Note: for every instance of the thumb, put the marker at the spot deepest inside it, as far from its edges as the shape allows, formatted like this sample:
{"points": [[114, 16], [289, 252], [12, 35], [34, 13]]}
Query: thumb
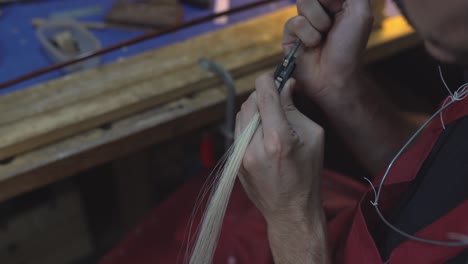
{"points": [[286, 95], [352, 28], [358, 12]]}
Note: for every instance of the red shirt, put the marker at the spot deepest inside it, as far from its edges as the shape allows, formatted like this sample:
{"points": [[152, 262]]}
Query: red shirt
{"points": [[161, 237], [349, 230]]}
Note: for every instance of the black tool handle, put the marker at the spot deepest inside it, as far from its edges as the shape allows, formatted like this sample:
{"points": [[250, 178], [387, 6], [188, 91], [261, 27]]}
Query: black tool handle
{"points": [[283, 73]]}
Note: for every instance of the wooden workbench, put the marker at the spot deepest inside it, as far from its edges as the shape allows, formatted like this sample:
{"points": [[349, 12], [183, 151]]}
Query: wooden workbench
{"points": [[132, 122]]}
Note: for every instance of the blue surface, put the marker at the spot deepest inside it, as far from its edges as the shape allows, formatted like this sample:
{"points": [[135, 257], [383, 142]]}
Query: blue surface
{"points": [[21, 52]]}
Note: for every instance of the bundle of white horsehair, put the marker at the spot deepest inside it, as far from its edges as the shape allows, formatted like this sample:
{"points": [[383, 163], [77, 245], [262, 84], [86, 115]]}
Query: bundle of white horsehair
{"points": [[208, 235], [213, 217]]}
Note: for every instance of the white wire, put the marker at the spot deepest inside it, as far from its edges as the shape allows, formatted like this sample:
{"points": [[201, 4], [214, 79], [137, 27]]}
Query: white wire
{"points": [[443, 81], [458, 95]]}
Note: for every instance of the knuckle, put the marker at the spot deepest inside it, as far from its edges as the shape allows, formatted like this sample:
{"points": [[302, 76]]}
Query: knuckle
{"points": [[243, 106], [289, 107], [298, 23], [288, 25], [306, 32], [318, 132], [262, 80], [273, 150], [326, 24], [250, 160], [275, 147], [265, 98], [251, 98], [314, 38]]}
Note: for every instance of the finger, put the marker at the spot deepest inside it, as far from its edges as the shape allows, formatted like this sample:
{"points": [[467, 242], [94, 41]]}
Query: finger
{"points": [[313, 11], [254, 155], [359, 9], [254, 152], [274, 121], [290, 109], [354, 25], [237, 127], [303, 126], [286, 95], [256, 143], [248, 110], [299, 27], [332, 6]]}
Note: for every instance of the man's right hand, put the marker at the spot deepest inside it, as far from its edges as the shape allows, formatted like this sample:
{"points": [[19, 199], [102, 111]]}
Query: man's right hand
{"points": [[334, 37]]}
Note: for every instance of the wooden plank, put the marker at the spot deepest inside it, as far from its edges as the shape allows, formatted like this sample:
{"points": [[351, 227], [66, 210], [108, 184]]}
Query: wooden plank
{"points": [[61, 92], [86, 100], [51, 163], [62, 159], [78, 102], [146, 14]]}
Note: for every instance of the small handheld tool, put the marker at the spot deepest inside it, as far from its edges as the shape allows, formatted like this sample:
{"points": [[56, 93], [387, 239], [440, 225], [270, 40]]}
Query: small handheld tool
{"points": [[285, 69]]}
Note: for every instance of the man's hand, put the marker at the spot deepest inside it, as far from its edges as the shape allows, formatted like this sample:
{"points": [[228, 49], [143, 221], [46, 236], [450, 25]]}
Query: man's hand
{"points": [[334, 36], [283, 162], [281, 173]]}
